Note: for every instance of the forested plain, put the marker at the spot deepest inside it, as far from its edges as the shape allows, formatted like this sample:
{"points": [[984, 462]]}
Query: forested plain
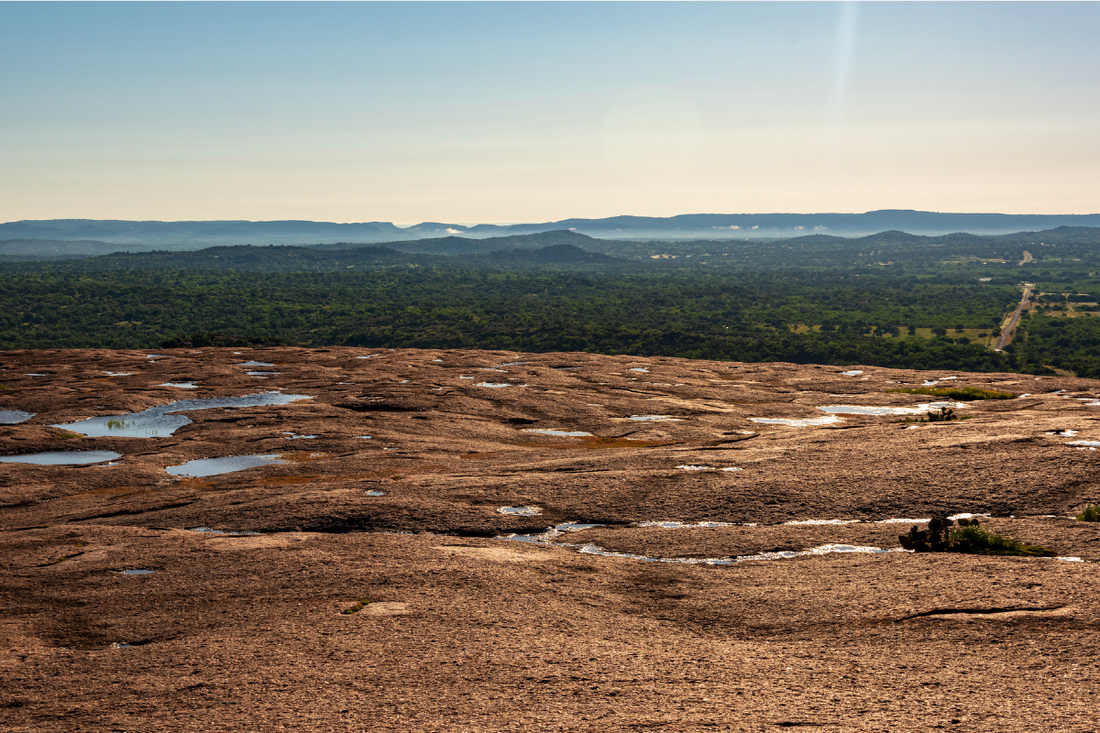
{"points": [[891, 299]]}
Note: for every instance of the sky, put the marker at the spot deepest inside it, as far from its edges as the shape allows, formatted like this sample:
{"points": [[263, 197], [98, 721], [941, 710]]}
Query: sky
{"points": [[506, 112]]}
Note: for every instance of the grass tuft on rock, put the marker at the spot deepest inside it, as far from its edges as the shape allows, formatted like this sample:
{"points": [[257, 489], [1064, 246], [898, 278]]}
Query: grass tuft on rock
{"points": [[966, 394], [357, 607], [970, 538], [1091, 513]]}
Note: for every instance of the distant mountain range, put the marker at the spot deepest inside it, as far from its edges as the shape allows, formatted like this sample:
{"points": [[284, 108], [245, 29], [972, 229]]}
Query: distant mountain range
{"points": [[185, 235]]}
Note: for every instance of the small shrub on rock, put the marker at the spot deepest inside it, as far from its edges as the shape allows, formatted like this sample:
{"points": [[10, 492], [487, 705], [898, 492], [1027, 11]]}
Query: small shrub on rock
{"points": [[1091, 514], [970, 538]]}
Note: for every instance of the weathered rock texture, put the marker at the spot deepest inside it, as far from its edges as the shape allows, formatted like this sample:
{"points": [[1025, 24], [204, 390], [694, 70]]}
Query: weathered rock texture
{"points": [[468, 632]]}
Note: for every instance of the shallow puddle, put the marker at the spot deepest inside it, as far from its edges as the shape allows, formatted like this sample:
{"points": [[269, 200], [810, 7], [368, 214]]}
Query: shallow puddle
{"points": [[373, 492], [63, 458], [815, 522], [498, 384], [138, 572], [520, 511], [294, 436], [688, 525], [160, 422], [208, 530], [119, 374], [562, 433], [655, 418], [364, 437], [217, 466], [805, 422], [853, 373], [1085, 443], [255, 364], [639, 369], [785, 555], [14, 417], [179, 385], [261, 374]]}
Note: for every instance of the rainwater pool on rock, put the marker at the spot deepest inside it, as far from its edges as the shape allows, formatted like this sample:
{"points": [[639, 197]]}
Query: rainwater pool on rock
{"points": [[138, 572], [374, 492], [497, 385], [160, 422], [520, 511], [805, 422], [63, 458], [562, 433], [179, 385], [14, 417], [217, 466], [655, 418], [209, 530], [255, 364], [261, 374]]}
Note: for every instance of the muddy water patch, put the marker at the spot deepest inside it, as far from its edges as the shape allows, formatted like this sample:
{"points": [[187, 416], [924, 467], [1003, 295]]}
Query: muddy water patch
{"points": [[14, 417], [160, 422], [63, 458], [217, 466]]}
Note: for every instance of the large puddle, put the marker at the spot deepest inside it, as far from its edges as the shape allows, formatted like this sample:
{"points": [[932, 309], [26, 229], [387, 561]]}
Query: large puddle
{"points": [[14, 417], [160, 422], [803, 422], [881, 410], [63, 458], [216, 466]]}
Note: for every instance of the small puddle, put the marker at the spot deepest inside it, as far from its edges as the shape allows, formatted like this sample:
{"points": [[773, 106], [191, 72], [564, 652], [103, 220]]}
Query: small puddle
{"points": [[295, 436], [14, 417], [815, 522], [216, 466], [882, 410], [373, 492], [364, 437], [1062, 433], [63, 458], [639, 369], [119, 374], [138, 572], [368, 356], [159, 422], [179, 385], [261, 374], [36, 374], [520, 511], [706, 468], [562, 433], [655, 418], [209, 530], [510, 363], [497, 385], [1085, 443], [255, 364], [566, 368], [688, 525], [804, 422], [853, 373]]}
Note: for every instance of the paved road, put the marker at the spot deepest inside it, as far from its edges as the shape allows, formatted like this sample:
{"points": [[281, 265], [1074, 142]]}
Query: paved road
{"points": [[1010, 329]]}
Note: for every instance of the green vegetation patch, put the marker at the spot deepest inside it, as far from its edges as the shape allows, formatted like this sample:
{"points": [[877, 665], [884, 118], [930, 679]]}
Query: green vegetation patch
{"points": [[970, 538], [965, 394], [357, 607], [1091, 513]]}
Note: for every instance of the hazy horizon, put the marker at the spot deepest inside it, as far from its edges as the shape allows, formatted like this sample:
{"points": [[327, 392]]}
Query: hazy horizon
{"points": [[502, 113]]}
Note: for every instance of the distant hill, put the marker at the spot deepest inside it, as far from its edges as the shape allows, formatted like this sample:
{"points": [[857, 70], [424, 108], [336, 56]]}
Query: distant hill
{"points": [[52, 249], [184, 235], [453, 245]]}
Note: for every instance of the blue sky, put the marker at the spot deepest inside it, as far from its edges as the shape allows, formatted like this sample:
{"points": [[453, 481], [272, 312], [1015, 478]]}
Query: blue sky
{"points": [[507, 112]]}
